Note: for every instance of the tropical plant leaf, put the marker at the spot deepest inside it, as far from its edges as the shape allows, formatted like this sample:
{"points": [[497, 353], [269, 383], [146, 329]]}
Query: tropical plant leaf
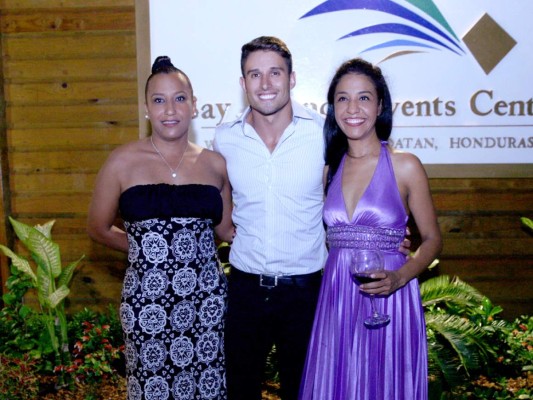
{"points": [[44, 286], [46, 228], [20, 263], [45, 251], [67, 272], [527, 222], [57, 296], [433, 264], [489, 310], [21, 229], [442, 289], [442, 364], [460, 334], [500, 325]]}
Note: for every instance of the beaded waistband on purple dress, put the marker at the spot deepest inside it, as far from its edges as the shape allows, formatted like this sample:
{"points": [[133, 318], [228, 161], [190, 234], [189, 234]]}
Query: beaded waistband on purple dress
{"points": [[364, 237]]}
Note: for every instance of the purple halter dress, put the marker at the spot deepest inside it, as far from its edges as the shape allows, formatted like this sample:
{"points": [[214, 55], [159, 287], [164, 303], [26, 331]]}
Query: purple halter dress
{"points": [[346, 360]]}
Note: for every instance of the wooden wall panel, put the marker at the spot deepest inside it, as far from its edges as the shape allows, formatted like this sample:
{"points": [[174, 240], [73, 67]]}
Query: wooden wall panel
{"points": [[66, 161], [70, 70], [485, 243], [103, 137], [92, 19], [78, 92], [4, 182], [101, 70], [50, 183], [62, 45], [56, 5], [482, 201], [506, 280], [70, 83], [69, 116], [54, 204]]}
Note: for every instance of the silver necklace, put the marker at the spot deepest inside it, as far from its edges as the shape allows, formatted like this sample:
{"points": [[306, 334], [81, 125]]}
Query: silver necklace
{"points": [[356, 157], [172, 170]]}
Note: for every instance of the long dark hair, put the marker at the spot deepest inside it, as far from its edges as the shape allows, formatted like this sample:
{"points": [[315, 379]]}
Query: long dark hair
{"points": [[163, 65], [336, 141], [266, 43]]}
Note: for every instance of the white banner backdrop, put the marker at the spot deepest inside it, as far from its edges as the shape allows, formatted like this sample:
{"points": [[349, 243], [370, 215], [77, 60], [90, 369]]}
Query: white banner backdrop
{"points": [[459, 71]]}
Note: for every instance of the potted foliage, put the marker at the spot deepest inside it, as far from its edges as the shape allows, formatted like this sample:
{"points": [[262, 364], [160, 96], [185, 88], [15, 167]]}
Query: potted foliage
{"points": [[50, 280]]}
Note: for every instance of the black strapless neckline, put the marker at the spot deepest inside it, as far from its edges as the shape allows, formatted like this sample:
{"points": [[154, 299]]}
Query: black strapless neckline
{"points": [[162, 200]]}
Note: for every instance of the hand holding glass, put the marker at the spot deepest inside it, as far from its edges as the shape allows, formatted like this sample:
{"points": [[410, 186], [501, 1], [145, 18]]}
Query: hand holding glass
{"points": [[363, 264]]}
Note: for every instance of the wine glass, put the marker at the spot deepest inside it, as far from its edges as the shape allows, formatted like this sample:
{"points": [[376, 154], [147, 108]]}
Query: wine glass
{"points": [[363, 264]]}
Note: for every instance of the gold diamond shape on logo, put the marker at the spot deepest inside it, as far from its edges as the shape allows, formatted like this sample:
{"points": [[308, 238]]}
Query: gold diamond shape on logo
{"points": [[488, 43]]}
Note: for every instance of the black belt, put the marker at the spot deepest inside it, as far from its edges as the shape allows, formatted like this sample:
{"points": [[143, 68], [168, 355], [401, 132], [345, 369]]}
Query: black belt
{"points": [[271, 281]]}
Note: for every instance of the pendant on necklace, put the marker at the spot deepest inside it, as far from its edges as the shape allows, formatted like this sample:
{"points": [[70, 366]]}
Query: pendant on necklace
{"points": [[172, 170]]}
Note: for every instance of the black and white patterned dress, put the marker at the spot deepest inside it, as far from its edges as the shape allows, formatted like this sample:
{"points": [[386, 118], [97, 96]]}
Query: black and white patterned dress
{"points": [[174, 294]]}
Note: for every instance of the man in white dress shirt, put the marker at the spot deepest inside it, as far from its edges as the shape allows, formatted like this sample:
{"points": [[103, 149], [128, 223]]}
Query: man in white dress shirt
{"points": [[275, 161]]}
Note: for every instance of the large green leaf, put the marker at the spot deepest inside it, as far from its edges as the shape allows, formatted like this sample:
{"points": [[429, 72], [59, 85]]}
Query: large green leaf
{"points": [[21, 230], [442, 289], [442, 364], [67, 272], [460, 334], [58, 296], [44, 286], [20, 263], [46, 228], [45, 251], [527, 222]]}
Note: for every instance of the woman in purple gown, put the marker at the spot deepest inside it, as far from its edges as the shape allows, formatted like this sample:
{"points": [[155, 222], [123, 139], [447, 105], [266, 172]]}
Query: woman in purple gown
{"points": [[371, 189]]}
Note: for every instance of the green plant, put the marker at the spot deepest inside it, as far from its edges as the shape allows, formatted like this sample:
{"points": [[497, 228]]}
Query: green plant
{"points": [[50, 280], [18, 378], [20, 325], [527, 223], [519, 337], [109, 317], [458, 344], [97, 349], [467, 343], [94, 355]]}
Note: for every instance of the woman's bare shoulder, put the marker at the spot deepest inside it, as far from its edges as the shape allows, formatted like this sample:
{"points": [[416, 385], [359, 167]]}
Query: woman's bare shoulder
{"points": [[406, 164], [124, 155], [404, 158]]}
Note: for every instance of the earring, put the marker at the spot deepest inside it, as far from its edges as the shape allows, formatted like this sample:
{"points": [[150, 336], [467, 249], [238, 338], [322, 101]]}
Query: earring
{"points": [[146, 116], [195, 114]]}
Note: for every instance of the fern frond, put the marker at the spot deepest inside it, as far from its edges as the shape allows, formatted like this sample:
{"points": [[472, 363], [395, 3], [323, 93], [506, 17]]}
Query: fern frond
{"points": [[444, 365], [442, 289], [460, 334]]}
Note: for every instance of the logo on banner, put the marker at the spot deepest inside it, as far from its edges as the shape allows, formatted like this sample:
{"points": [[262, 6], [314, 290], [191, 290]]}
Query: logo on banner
{"points": [[422, 30]]}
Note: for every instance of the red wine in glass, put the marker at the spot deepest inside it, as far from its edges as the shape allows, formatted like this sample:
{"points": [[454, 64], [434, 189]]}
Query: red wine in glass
{"points": [[363, 263], [363, 278]]}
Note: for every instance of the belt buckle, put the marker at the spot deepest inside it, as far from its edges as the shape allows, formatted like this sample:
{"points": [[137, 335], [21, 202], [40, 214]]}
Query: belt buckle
{"points": [[268, 281]]}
